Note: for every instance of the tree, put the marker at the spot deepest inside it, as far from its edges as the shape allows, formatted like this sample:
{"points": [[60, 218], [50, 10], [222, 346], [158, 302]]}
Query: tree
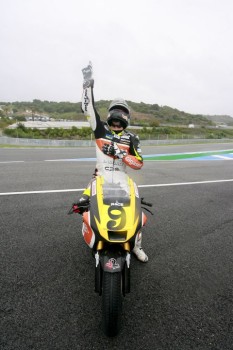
{"points": [[6, 110]]}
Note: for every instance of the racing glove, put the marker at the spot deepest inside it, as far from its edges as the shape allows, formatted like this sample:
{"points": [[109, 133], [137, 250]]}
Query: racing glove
{"points": [[113, 150], [87, 76], [82, 205]]}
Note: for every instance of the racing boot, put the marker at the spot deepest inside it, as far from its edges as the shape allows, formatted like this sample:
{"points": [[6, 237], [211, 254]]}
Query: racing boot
{"points": [[137, 250]]}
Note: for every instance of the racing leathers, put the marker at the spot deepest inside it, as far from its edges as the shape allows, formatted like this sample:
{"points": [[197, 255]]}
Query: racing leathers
{"points": [[126, 141], [127, 152]]}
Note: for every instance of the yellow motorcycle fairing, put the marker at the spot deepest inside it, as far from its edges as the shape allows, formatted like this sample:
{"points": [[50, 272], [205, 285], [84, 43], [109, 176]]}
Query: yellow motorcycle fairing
{"points": [[116, 214]]}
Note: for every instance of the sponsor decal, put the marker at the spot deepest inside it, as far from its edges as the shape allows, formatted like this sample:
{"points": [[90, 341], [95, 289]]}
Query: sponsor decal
{"points": [[85, 229], [93, 188], [125, 136], [136, 190], [117, 204], [109, 161], [132, 162], [116, 137], [86, 100], [125, 142], [88, 235], [112, 264], [111, 168]]}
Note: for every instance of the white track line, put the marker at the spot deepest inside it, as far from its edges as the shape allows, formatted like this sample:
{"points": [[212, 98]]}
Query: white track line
{"points": [[42, 192], [222, 157], [141, 186], [187, 183], [12, 161]]}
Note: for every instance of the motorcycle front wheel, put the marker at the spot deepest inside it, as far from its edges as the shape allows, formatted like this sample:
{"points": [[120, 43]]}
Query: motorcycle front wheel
{"points": [[111, 303]]}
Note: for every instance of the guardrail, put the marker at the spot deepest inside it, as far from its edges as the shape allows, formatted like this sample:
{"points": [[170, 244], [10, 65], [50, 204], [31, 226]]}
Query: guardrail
{"points": [[4, 140]]}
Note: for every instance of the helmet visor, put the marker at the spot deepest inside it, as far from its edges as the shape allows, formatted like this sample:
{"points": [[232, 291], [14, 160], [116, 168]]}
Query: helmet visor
{"points": [[116, 123], [118, 117]]}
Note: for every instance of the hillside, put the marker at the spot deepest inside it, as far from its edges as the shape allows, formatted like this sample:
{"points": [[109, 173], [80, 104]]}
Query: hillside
{"points": [[142, 114], [224, 119]]}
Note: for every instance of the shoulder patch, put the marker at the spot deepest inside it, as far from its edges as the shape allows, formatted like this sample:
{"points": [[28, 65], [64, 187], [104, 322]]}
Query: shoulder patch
{"points": [[130, 133]]}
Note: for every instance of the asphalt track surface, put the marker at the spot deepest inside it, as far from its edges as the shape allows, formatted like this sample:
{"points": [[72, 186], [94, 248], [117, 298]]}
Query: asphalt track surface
{"points": [[181, 299]]}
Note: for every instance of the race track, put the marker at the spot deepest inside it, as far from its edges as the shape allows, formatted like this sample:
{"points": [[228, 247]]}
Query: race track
{"points": [[181, 299]]}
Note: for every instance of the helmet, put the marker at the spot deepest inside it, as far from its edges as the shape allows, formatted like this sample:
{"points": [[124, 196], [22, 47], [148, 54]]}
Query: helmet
{"points": [[119, 110], [119, 103]]}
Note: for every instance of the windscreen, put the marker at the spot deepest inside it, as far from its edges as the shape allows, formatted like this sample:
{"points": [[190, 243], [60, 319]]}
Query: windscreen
{"points": [[116, 189]]}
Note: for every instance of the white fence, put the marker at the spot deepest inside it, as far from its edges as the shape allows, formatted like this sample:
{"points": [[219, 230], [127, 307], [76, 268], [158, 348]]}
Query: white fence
{"points": [[4, 140]]}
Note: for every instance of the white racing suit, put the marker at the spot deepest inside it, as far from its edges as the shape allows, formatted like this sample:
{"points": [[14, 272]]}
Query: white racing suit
{"points": [[126, 141]]}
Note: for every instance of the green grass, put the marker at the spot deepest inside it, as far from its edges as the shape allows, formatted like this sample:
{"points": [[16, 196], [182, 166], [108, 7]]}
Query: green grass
{"points": [[187, 155]]}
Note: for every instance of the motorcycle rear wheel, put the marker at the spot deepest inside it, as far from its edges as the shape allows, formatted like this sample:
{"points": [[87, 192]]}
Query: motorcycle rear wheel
{"points": [[111, 303]]}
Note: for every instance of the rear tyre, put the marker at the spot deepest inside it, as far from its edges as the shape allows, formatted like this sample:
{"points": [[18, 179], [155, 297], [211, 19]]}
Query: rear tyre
{"points": [[111, 303]]}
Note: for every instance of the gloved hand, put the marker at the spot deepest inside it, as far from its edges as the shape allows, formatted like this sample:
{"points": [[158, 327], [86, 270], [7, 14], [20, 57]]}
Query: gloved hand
{"points": [[87, 76], [113, 150], [77, 209], [108, 149], [82, 205]]}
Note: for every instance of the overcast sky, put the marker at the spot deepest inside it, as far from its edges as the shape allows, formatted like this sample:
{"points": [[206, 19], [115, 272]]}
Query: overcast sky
{"points": [[177, 53]]}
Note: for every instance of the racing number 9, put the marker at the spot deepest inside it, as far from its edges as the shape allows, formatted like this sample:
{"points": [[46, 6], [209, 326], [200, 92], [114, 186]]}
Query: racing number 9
{"points": [[115, 213]]}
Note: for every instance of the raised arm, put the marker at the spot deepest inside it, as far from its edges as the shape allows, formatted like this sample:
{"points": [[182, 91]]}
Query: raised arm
{"points": [[88, 103]]}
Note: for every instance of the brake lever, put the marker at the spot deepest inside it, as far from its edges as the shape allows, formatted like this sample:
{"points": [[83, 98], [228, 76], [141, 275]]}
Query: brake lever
{"points": [[70, 211]]}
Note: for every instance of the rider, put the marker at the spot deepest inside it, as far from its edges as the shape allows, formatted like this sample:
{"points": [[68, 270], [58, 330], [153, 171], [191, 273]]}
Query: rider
{"points": [[112, 142]]}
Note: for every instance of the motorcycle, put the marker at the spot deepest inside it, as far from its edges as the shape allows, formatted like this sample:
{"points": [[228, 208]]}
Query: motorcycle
{"points": [[111, 222]]}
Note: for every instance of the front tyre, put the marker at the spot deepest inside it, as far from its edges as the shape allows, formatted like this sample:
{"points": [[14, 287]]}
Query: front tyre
{"points": [[111, 303]]}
